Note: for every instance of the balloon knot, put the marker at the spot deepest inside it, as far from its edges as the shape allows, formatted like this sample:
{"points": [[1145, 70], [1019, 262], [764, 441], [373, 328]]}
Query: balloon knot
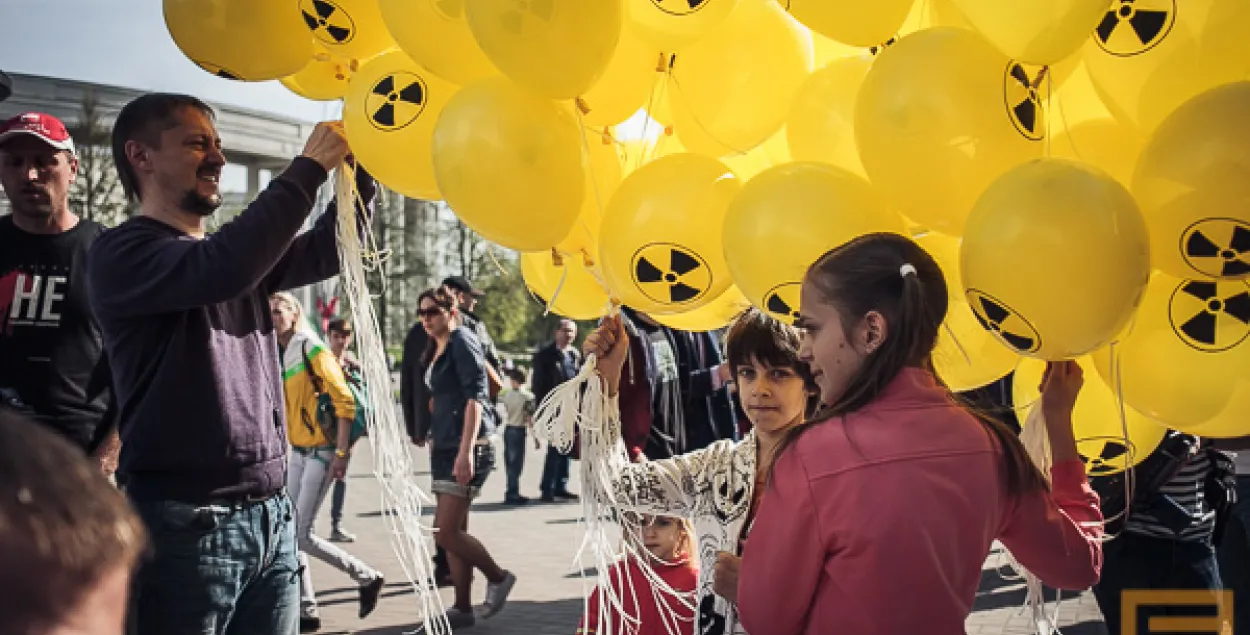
{"points": [[556, 258], [583, 106], [587, 260], [668, 130], [606, 136], [662, 64]]}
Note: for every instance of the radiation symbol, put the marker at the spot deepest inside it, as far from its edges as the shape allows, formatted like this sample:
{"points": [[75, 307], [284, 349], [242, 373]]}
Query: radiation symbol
{"points": [[782, 301], [527, 15], [671, 274], [1217, 247], [1024, 107], [328, 21], [395, 101], [1211, 316], [996, 317], [1104, 455], [217, 70], [1132, 27], [680, 7], [450, 9]]}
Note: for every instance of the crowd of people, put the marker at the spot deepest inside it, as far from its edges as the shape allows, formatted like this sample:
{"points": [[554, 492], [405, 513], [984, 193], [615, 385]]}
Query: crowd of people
{"points": [[170, 426]]}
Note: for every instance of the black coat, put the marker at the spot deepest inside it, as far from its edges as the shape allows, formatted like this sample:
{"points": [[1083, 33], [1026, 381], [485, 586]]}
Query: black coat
{"points": [[414, 395], [549, 370]]}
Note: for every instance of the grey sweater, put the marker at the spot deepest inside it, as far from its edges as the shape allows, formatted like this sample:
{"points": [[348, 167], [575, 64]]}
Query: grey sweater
{"points": [[191, 344]]}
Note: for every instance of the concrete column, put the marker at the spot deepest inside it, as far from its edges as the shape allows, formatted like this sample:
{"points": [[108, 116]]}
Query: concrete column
{"points": [[253, 182]]}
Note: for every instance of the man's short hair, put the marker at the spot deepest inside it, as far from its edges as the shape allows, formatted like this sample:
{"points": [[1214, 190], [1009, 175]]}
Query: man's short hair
{"points": [[339, 325], [143, 120], [63, 527]]}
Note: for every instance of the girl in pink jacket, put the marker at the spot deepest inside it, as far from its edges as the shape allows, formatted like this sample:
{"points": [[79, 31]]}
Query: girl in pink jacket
{"points": [[880, 512]]}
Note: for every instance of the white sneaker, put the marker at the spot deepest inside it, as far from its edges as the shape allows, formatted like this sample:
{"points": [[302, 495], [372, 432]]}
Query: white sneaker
{"points": [[497, 595]]}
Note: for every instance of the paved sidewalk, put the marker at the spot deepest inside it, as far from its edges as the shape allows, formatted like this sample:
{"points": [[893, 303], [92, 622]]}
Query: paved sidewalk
{"points": [[538, 542]]}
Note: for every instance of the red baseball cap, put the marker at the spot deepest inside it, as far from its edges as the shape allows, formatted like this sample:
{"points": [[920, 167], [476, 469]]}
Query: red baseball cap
{"points": [[45, 127]]}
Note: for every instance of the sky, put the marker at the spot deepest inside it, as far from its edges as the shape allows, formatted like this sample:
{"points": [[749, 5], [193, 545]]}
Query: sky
{"points": [[124, 43]]}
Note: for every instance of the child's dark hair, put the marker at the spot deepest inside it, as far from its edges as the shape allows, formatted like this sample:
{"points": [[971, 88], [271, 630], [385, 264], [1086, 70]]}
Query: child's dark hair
{"points": [[756, 337], [339, 325], [443, 300], [517, 374], [895, 277]]}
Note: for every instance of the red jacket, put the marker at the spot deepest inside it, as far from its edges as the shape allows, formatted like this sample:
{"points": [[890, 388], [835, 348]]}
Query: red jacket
{"points": [[640, 601]]}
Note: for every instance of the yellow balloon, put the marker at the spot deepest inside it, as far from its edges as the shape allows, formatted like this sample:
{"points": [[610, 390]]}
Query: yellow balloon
{"points": [[771, 153], [578, 294], [966, 356], [639, 152], [240, 39], [324, 78], [1035, 31], [352, 29], [821, 124], [1192, 184], [626, 85], [939, 117], [558, 48], [672, 24], [1231, 422], [851, 21], [1185, 351], [1096, 420], [717, 314], [1055, 259], [1107, 144], [730, 91], [436, 35], [390, 111], [927, 14], [661, 241], [786, 217], [603, 176], [1147, 57], [509, 162]]}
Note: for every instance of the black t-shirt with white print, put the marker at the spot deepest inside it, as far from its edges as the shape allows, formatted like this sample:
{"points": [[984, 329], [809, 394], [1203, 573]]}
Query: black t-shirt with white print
{"points": [[50, 345]]}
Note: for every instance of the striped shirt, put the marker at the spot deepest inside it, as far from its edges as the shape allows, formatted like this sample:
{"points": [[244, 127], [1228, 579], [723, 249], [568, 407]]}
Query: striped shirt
{"points": [[1188, 490]]}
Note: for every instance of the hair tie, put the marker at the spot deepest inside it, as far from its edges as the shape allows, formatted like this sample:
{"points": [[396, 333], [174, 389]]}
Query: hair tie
{"points": [[907, 268]]}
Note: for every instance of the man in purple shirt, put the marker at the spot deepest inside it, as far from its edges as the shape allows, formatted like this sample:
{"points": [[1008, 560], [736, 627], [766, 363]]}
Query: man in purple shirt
{"points": [[186, 325]]}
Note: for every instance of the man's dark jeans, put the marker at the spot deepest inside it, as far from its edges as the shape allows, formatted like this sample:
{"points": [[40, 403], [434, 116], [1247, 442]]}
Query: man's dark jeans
{"points": [[218, 569], [514, 458], [555, 473], [1234, 556], [1133, 561]]}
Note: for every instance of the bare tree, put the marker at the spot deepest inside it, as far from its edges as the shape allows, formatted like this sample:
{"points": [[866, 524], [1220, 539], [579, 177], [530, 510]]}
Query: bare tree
{"points": [[96, 194]]}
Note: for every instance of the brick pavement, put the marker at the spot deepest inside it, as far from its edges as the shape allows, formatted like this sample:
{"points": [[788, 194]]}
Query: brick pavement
{"points": [[538, 542]]}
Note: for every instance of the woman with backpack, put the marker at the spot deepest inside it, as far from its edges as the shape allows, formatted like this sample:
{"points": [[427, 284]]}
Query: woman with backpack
{"points": [[320, 411]]}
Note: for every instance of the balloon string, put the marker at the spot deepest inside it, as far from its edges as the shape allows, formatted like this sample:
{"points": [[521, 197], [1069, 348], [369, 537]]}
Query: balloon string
{"points": [[594, 186]]}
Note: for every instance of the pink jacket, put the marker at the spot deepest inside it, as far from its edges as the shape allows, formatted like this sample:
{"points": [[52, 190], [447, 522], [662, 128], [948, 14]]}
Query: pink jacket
{"points": [[879, 523]]}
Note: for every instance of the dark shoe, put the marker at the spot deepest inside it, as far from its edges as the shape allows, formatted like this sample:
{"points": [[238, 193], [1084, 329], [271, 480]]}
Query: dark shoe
{"points": [[369, 594], [309, 623], [515, 500], [565, 495], [548, 498]]}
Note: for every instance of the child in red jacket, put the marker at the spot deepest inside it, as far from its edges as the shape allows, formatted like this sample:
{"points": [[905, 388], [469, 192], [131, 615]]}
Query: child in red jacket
{"points": [[647, 608]]}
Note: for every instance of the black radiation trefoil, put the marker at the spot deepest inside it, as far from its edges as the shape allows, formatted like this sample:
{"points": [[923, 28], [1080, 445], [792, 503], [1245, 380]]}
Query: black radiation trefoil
{"points": [[681, 7], [997, 318], [1024, 106], [328, 21], [1132, 27], [782, 301], [671, 274], [396, 101], [1211, 316], [218, 71], [1217, 247], [525, 15], [1103, 464]]}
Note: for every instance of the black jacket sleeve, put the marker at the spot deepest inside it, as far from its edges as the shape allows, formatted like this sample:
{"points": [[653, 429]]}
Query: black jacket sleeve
{"points": [[414, 395], [470, 362], [543, 380], [314, 255]]}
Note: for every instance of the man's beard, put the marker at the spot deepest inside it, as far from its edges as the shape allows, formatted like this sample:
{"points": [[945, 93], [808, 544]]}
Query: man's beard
{"points": [[197, 203]]}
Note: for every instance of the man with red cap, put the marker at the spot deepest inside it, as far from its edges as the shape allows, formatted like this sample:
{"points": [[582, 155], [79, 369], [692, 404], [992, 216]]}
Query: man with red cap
{"points": [[50, 343]]}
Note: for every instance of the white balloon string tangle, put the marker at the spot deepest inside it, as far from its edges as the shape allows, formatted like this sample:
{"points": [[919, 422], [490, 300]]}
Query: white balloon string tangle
{"points": [[402, 499]]}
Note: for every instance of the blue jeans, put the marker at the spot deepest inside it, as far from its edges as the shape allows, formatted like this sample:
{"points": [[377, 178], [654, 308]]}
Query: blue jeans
{"points": [[1132, 561], [555, 472], [218, 569], [514, 458], [1234, 556]]}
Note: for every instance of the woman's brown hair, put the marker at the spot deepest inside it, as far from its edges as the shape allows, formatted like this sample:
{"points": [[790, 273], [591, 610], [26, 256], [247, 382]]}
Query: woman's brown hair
{"points": [[875, 273], [443, 300]]}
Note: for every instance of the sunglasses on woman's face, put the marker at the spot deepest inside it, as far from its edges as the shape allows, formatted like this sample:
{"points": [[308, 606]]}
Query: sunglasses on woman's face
{"points": [[429, 313]]}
